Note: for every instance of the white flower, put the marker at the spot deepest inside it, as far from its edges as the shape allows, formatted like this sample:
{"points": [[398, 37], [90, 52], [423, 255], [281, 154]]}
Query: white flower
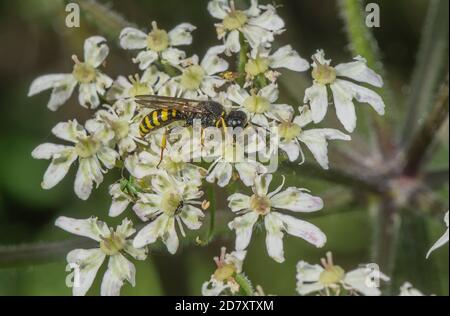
{"points": [[120, 198], [200, 79], [114, 244], [126, 89], [228, 155], [88, 149], [158, 44], [223, 280], [92, 81], [408, 290], [266, 205], [261, 62], [292, 133], [258, 24], [171, 202], [120, 120], [344, 91], [442, 241], [261, 106], [332, 279]]}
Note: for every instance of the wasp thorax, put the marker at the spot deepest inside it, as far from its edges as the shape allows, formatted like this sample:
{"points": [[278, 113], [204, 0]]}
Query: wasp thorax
{"points": [[235, 20], [324, 74], [257, 66], [192, 77], [224, 272], [87, 147], [260, 204], [112, 245], [170, 202], [257, 104], [332, 275], [289, 131], [157, 40], [83, 73]]}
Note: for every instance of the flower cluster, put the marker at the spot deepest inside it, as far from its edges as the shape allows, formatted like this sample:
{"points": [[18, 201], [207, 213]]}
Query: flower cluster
{"points": [[164, 172]]}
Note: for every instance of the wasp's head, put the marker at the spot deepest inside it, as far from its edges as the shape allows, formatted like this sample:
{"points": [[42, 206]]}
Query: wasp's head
{"points": [[236, 119]]}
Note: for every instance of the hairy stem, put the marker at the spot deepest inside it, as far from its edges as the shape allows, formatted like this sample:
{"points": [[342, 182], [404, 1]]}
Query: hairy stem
{"points": [[424, 138], [245, 284], [430, 66]]}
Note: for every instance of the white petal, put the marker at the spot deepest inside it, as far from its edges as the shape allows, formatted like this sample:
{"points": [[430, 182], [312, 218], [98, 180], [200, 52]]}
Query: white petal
{"points": [[362, 281], [95, 51], [247, 172], [145, 59], [237, 94], [212, 63], [257, 36], [108, 157], [238, 202], [232, 42], [296, 200], [131, 38], [136, 253], [283, 112], [345, 109], [61, 93], [254, 9], [88, 96], [214, 287], [70, 131], [119, 270], [222, 172], [304, 118], [173, 56], [102, 83], [262, 183], [89, 172], [46, 82], [58, 168], [364, 95], [270, 92], [317, 97], [308, 278], [316, 141], [118, 206], [408, 290], [125, 229], [274, 237], [304, 230], [292, 149], [91, 228], [170, 237], [150, 233], [269, 20], [181, 34], [441, 242], [243, 225], [191, 217], [358, 71], [47, 151], [85, 264], [288, 58], [218, 8]]}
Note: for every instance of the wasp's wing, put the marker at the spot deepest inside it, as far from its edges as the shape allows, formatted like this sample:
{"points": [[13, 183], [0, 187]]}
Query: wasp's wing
{"points": [[180, 104]]}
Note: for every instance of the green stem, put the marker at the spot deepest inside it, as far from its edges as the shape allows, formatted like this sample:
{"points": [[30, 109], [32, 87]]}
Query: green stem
{"points": [[242, 59], [362, 42], [167, 68], [432, 61], [244, 284], [212, 212]]}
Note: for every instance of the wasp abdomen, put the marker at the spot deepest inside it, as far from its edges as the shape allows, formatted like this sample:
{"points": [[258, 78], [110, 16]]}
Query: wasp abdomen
{"points": [[157, 119]]}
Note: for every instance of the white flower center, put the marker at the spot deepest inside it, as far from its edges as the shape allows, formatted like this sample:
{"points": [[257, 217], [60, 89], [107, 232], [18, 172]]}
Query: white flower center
{"points": [[224, 272], [192, 77], [257, 104], [87, 147], [170, 202], [235, 20], [260, 204], [257, 66], [157, 40], [332, 275], [139, 88], [289, 131], [112, 245]]}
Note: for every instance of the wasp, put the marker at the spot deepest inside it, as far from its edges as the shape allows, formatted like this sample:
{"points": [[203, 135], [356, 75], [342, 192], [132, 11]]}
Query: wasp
{"points": [[168, 110]]}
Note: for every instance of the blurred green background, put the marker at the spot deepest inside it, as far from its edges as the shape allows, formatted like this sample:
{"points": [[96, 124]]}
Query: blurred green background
{"points": [[35, 41]]}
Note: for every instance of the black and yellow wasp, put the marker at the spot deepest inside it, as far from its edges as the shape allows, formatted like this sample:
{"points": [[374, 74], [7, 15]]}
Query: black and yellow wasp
{"points": [[168, 110]]}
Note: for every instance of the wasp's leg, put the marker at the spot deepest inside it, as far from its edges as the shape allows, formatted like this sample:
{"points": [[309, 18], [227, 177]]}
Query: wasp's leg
{"points": [[163, 147]]}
